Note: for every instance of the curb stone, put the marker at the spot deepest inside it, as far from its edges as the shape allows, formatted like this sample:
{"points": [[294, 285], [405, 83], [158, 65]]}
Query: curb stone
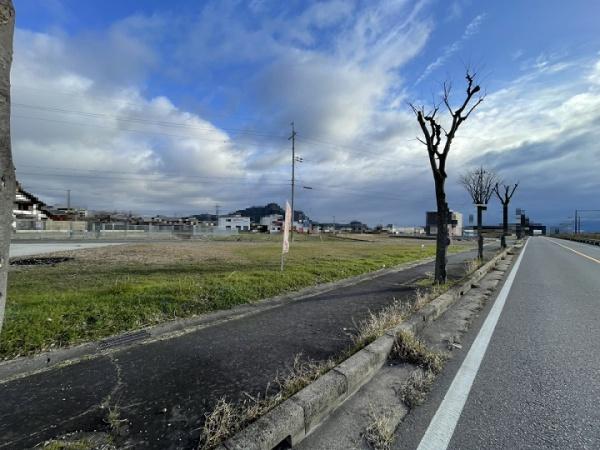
{"points": [[329, 391]]}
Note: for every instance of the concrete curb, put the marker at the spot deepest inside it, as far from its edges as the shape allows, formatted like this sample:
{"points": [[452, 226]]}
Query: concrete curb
{"points": [[40, 362], [315, 402]]}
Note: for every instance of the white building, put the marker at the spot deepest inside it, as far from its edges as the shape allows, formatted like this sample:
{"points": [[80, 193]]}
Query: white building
{"points": [[29, 212], [455, 223], [231, 223], [28, 206], [415, 231], [273, 222]]}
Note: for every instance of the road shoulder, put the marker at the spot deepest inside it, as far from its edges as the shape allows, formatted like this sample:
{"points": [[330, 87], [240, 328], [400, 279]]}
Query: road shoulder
{"points": [[380, 399]]}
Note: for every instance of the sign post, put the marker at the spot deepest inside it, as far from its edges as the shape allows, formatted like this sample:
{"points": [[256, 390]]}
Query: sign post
{"points": [[286, 233]]}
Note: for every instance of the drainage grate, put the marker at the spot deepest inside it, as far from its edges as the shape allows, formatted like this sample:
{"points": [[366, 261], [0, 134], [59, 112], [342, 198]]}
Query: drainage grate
{"points": [[123, 339]]}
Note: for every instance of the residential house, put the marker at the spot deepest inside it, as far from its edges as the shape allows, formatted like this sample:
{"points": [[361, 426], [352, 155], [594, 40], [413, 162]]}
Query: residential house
{"points": [[234, 222], [272, 223]]}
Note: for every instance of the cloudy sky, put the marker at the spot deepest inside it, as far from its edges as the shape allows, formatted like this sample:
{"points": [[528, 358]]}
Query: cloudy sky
{"points": [[174, 107]]}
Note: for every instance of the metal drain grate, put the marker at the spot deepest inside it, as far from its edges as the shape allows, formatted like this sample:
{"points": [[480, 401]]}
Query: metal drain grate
{"points": [[123, 339]]}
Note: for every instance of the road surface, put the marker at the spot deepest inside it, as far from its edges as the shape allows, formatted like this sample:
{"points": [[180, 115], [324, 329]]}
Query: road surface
{"points": [[18, 249], [531, 376]]}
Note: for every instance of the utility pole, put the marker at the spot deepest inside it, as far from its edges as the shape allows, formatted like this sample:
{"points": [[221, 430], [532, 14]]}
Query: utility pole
{"points": [[69, 213], [578, 218], [293, 139], [333, 224]]}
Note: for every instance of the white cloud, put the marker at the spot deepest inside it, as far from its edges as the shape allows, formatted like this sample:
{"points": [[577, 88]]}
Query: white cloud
{"points": [[540, 129], [339, 76], [471, 29], [65, 120]]}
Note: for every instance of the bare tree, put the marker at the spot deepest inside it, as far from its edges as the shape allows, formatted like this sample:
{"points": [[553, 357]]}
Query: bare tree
{"points": [[7, 170], [480, 184], [438, 147], [505, 194]]}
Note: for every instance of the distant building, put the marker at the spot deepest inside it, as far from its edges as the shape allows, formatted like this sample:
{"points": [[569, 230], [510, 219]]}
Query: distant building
{"points": [[455, 223], [415, 231], [272, 223], [63, 213], [28, 207], [358, 227], [235, 222]]}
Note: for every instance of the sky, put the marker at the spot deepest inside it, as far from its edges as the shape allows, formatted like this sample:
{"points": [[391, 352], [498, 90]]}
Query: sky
{"points": [[175, 107]]}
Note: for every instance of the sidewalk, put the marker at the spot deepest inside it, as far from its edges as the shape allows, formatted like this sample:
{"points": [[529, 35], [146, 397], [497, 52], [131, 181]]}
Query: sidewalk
{"points": [[164, 388]]}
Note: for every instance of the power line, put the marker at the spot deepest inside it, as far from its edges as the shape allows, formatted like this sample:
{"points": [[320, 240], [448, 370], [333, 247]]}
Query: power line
{"points": [[138, 120], [227, 140], [320, 187], [109, 175], [141, 174], [103, 99], [358, 151], [129, 178], [142, 120]]}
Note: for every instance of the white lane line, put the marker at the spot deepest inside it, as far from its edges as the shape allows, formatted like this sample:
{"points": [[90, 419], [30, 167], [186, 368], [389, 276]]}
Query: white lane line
{"points": [[440, 430], [575, 251]]}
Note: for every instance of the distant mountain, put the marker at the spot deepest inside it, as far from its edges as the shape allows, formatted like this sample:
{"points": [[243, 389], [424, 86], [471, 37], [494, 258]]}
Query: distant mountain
{"points": [[256, 212]]}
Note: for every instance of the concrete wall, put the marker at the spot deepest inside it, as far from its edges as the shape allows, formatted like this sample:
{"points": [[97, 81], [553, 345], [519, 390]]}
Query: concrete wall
{"points": [[56, 225]]}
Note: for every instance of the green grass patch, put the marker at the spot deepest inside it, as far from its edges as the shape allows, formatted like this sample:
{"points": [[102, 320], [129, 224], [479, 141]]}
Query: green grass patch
{"points": [[94, 296]]}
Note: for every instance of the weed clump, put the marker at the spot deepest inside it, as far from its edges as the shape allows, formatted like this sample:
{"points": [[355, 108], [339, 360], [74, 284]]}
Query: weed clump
{"points": [[412, 350], [472, 265], [379, 434], [227, 418], [375, 325], [80, 441], [415, 390]]}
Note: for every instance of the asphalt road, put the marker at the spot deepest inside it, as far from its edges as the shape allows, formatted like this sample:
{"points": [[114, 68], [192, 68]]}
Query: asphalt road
{"points": [[39, 248], [164, 388], [538, 382]]}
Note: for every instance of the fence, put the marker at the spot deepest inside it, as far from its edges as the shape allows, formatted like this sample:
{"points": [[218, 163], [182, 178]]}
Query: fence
{"points": [[36, 230]]}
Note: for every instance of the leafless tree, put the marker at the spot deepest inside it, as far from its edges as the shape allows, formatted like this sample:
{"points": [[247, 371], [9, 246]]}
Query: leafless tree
{"points": [[7, 170], [437, 140], [480, 184], [505, 192]]}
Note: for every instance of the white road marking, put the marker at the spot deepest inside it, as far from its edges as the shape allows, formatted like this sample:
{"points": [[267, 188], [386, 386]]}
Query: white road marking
{"points": [[442, 426], [575, 251]]}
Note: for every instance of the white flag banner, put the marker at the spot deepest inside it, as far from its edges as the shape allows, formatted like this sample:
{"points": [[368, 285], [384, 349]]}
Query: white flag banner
{"points": [[287, 225]]}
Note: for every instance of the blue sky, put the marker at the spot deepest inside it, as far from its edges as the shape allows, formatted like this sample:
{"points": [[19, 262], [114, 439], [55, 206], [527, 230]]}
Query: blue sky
{"points": [[175, 106]]}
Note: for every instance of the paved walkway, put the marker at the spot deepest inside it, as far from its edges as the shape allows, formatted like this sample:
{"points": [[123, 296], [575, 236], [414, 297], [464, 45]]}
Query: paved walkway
{"points": [[164, 388]]}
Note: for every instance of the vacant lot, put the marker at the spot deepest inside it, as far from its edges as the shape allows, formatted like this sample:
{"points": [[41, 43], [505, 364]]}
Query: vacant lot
{"points": [[99, 292]]}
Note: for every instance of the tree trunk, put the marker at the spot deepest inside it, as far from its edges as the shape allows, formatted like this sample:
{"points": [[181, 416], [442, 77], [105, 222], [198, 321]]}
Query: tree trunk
{"points": [[504, 224], [479, 234], [7, 170], [442, 233]]}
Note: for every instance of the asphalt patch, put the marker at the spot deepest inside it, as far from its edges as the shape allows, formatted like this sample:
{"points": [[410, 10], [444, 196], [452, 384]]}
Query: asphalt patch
{"points": [[41, 261]]}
